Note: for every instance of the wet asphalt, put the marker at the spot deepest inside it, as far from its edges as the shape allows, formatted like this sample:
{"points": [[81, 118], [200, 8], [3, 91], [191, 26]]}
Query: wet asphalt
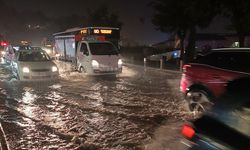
{"points": [[120, 112]]}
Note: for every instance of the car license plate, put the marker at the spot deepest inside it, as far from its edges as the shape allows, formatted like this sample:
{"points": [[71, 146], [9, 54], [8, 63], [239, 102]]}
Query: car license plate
{"points": [[40, 74]]}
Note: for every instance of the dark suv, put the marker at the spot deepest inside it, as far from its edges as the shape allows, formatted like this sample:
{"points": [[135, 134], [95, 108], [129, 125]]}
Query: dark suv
{"points": [[205, 79]]}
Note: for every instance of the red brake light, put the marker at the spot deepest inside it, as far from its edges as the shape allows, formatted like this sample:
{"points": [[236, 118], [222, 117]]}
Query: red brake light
{"points": [[184, 68], [188, 132], [101, 38], [3, 44]]}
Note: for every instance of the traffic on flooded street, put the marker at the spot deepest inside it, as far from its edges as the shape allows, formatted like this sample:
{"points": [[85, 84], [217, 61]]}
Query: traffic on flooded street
{"points": [[79, 111], [124, 75]]}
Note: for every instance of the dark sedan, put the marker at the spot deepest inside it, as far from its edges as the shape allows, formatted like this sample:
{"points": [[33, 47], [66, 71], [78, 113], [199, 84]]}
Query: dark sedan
{"points": [[227, 126]]}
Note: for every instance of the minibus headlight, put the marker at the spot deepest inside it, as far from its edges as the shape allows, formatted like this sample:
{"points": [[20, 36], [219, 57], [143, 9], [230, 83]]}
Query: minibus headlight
{"points": [[48, 51], [95, 64], [120, 62], [54, 69], [26, 70]]}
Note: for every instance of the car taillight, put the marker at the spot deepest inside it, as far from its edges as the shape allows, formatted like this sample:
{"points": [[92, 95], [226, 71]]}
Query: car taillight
{"points": [[3, 44], [184, 68], [187, 131], [101, 38]]}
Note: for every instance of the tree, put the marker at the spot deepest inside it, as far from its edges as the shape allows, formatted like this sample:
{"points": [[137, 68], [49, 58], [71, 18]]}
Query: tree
{"points": [[103, 17], [239, 13], [182, 17]]}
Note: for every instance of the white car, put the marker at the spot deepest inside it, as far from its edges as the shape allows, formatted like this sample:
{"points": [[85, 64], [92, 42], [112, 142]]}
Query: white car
{"points": [[34, 65]]}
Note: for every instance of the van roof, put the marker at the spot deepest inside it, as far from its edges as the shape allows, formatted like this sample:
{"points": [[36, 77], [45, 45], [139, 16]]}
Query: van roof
{"points": [[224, 50], [79, 29], [231, 49]]}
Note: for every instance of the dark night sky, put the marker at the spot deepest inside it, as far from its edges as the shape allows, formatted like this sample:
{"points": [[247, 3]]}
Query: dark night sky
{"points": [[130, 12]]}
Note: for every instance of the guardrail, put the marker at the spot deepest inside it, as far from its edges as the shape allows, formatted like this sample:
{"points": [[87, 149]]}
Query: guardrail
{"points": [[3, 142], [160, 64]]}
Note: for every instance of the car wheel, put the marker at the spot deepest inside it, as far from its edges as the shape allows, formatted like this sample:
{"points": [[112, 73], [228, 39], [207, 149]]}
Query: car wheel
{"points": [[81, 69], [17, 76], [198, 101]]}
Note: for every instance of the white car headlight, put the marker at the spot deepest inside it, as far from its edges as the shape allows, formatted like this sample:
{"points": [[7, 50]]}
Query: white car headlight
{"points": [[3, 52], [120, 62], [26, 70], [95, 64], [54, 69], [48, 51]]}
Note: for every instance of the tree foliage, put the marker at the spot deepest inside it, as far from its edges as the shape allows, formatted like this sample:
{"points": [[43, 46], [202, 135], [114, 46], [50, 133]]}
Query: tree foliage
{"points": [[175, 15], [182, 17], [103, 17], [238, 11]]}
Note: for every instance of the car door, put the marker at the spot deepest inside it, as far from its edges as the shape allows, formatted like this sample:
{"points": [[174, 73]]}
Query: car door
{"points": [[241, 61], [83, 56], [224, 67]]}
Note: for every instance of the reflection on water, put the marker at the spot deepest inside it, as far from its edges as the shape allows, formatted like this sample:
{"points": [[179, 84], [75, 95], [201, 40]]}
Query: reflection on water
{"points": [[103, 112], [127, 72], [28, 98], [34, 106]]}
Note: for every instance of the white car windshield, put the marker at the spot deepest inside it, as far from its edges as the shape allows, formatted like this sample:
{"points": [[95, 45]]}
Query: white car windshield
{"points": [[103, 49], [35, 56]]}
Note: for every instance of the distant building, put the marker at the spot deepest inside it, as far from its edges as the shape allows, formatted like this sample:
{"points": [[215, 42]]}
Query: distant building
{"points": [[204, 41]]}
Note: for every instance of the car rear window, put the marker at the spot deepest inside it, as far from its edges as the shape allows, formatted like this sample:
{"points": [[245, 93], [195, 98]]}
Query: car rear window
{"points": [[236, 61]]}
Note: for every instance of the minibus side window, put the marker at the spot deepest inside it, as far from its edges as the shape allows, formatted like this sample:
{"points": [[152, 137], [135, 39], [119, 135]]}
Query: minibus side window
{"points": [[84, 49]]}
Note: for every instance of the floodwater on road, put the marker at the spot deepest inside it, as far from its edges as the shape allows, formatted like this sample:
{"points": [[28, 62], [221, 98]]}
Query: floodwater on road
{"points": [[82, 112]]}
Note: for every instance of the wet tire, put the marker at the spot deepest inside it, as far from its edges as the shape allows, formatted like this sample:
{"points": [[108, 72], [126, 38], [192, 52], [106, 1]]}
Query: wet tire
{"points": [[198, 101], [81, 70], [17, 77]]}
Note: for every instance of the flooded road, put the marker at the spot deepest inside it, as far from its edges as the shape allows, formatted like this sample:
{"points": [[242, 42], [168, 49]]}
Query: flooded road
{"points": [[81, 112]]}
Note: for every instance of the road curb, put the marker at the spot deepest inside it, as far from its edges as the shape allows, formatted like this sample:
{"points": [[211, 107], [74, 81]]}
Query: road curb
{"points": [[3, 143], [161, 70]]}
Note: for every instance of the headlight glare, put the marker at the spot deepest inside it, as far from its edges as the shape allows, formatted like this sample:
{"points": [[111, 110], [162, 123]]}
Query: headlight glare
{"points": [[48, 51], [95, 64], [120, 62], [26, 70], [54, 69]]}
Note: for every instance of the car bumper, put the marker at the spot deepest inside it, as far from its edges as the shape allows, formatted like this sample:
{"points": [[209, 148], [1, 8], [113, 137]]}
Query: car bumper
{"points": [[106, 72], [185, 83], [39, 77]]}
